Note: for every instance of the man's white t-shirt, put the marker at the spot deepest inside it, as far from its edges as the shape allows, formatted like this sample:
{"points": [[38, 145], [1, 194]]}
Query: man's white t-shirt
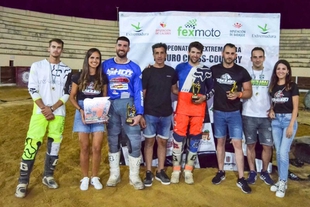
{"points": [[259, 103]]}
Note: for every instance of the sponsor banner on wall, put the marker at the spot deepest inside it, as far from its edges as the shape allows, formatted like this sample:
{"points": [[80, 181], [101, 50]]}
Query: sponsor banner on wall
{"points": [[213, 30]]}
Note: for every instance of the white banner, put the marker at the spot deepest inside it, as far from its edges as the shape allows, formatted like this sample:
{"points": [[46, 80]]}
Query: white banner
{"points": [[212, 29]]}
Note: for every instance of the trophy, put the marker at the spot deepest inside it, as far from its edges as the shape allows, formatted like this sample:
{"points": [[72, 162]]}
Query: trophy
{"points": [[234, 87], [131, 112], [195, 91]]}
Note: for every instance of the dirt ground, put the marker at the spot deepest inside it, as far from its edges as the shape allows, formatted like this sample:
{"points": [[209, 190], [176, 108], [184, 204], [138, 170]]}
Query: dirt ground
{"points": [[15, 112]]}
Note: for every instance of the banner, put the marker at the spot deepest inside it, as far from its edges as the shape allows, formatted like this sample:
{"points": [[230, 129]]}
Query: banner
{"points": [[22, 76], [213, 30]]}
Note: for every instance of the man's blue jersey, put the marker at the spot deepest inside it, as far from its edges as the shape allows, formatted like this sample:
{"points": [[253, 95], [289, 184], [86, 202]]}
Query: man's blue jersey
{"points": [[125, 80]]}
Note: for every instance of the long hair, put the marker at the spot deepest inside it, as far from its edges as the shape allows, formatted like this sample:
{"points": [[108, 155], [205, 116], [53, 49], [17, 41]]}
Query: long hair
{"points": [[275, 79], [85, 77]]}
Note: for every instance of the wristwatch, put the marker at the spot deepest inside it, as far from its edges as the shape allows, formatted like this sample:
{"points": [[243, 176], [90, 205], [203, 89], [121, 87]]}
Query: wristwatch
{"points": [[52, 109]]}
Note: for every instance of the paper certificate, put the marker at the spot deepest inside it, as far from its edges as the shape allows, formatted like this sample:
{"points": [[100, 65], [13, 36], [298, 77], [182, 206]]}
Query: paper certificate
{"points": [[96, 110]]}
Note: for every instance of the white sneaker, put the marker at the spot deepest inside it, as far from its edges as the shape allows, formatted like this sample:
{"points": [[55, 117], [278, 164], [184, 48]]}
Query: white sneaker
{"points": [[275, 187], [175, 177], [96, 183], [281, 190], [21, 190], [84, 183], [188, 177]]}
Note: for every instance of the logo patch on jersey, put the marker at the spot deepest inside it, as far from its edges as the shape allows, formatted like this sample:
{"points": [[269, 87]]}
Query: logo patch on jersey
{"points": [[225, 79], [259, 82], [114, 92], [119, 83], [202, 74], [121, 72]]}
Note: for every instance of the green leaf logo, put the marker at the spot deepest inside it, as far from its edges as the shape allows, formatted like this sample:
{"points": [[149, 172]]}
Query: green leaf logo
{"points": [[137, 28], [264, 30]]}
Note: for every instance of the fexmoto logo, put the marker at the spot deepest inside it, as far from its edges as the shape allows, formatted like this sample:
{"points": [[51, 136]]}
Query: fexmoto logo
{"points": [[191, 31]]}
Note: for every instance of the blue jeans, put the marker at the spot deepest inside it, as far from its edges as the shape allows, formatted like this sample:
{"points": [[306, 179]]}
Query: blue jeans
{"points": [[160, 126], [252, 125], [282, 143], [117, 121], [79, 126], [232, 120]]}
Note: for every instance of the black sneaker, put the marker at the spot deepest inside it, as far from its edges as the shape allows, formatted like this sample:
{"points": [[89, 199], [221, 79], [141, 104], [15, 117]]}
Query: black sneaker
{"points": [[162, 177], [266, 178], [220, 175], [148, 180], [243, 184]]}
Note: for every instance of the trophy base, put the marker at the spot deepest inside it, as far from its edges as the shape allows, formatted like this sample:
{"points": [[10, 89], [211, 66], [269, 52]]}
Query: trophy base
{"points": [[194, 98], [129, 121]]}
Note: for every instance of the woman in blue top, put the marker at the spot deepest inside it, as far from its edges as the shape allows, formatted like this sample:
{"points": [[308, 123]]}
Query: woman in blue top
{"points": [[89, 83]]}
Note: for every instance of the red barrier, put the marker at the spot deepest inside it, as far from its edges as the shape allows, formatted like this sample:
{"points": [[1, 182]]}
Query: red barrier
{"points": [[22, 75], [7, 75]]}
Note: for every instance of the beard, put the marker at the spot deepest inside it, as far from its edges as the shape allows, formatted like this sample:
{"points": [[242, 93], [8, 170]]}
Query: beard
{"points": [[121, 55], [228, 61], [194, 61]]}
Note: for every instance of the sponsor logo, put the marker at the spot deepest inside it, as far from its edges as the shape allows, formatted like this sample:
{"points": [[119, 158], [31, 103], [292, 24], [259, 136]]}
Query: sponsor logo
{"points": [[163, 30], [238, 25], [191, 29], [25, 77], [237, 32], [264, 32], [119, 83], [260, 82], [279, 97], [202, 74], [225, 79], [121, 72], [137, 30]]}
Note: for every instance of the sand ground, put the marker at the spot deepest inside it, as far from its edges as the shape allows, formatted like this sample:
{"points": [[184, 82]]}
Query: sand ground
{"points": [[15, 112]]}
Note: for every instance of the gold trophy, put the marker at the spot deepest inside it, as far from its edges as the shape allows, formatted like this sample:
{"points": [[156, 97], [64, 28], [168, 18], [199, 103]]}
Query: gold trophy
{"points": [[195, 91], [131, 112], [234, 87]]}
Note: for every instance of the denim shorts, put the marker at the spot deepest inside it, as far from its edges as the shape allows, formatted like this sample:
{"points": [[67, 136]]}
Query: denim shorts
{"points": [[160, 126], [79, 126], [231, 120], [252, 125]]}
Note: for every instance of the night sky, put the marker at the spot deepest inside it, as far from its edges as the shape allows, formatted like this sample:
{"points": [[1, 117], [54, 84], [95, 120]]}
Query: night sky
{"points": [[294, 14]]}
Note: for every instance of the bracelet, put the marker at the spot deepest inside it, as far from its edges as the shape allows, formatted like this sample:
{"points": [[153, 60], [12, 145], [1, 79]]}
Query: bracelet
{"points": [[52, 109], [240, 94], [79, 109]]}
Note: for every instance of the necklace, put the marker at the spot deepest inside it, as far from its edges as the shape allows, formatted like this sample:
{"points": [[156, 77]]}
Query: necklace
{"points": [[54, 76], [257, 83]]}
